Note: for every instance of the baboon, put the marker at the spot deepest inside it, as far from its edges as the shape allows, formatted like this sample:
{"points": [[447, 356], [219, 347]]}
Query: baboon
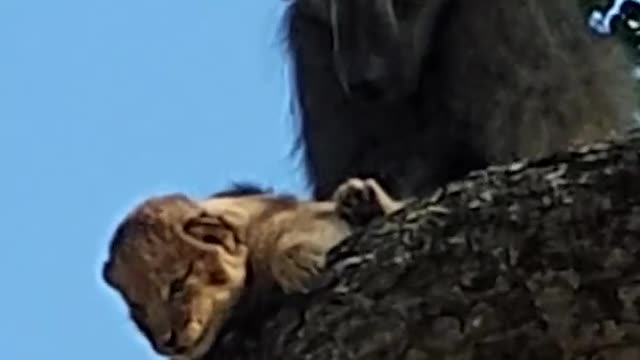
{"points": [[181, 265], [416, 93]]}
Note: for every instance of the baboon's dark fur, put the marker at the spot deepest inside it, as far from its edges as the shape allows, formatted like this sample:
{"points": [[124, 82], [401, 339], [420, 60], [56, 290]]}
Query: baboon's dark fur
{"points": [[419, 92]]}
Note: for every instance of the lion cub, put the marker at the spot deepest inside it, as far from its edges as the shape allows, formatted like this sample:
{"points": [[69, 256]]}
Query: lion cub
{"points": [[182, 264]]}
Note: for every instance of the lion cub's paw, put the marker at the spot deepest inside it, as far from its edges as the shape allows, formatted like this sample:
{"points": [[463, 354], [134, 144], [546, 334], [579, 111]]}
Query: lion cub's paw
{"points": [[357, 201], [297, 265]]}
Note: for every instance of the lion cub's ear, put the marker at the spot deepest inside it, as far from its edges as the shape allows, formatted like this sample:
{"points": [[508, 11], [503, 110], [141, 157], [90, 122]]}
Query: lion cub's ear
{"points": [[208, 232]]}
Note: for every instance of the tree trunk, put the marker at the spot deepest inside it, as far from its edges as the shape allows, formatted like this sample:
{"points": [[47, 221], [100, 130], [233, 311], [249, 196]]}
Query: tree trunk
{"points": [[534, 260]]}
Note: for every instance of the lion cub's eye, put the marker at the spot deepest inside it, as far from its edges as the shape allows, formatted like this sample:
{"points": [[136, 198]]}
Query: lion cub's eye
{"points": [[176, 288]]}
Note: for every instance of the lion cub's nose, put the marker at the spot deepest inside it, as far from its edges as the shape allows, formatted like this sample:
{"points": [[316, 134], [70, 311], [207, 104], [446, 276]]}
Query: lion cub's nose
{"points": [[169, 343]]}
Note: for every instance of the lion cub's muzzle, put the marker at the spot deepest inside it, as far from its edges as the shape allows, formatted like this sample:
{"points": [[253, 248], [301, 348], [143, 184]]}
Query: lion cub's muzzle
{"points": [[178, 342]]}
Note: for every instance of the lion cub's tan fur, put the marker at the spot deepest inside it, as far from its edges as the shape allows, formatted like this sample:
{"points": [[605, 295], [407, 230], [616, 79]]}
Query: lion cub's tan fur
{"points": [[182, 264]]}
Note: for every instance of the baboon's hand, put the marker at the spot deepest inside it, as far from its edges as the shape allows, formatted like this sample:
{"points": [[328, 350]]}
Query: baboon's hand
{"points": [[297, 265], [359, 201]]}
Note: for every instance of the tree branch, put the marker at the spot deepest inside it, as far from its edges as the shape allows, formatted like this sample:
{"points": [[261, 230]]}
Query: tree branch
{"points": [[534, 260]]}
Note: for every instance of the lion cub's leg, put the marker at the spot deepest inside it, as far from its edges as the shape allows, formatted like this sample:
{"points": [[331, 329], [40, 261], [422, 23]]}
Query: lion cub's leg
{"points": [[303, 253], [298, 264]]}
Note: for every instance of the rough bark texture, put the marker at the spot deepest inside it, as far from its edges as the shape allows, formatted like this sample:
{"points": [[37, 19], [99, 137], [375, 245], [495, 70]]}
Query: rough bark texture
{"points": [[535, 260]]}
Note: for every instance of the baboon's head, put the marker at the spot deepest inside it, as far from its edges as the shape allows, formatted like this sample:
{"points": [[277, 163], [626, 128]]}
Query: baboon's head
{"points": [[179, 269], [375, 46]]}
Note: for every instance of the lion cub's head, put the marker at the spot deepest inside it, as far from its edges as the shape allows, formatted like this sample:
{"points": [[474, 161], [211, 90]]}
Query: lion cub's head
{"points": [[179, 268]]}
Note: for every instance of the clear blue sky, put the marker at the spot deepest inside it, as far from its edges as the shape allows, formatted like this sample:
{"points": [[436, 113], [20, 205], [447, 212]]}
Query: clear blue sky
{"points": [[103, 103]]}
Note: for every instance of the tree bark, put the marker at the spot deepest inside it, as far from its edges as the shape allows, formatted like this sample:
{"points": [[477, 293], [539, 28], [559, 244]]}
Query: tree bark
{"points": [[534, 260]]}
